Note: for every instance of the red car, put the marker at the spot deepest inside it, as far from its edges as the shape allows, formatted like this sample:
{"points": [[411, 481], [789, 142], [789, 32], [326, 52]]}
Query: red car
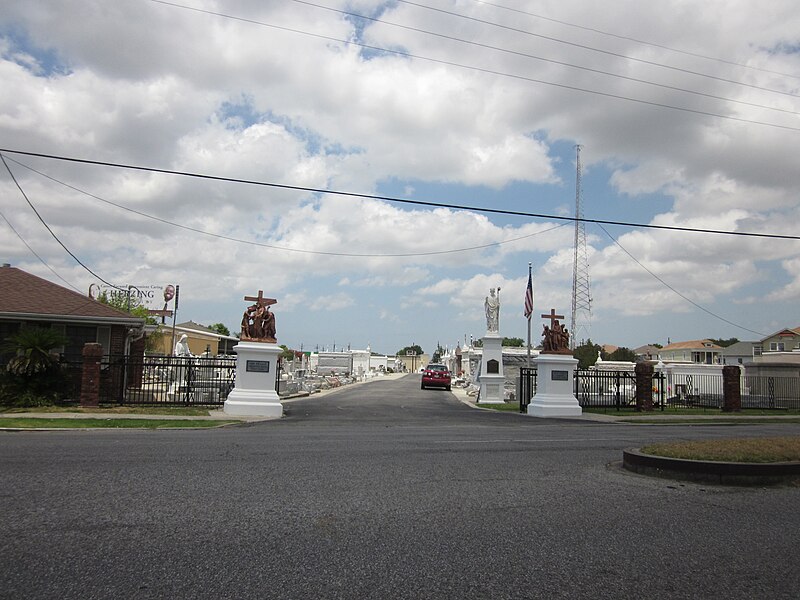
{"points": [[435, 376]]}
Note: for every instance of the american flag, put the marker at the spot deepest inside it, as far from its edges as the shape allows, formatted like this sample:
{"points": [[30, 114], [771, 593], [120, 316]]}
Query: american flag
{"points": [[529, 298]]}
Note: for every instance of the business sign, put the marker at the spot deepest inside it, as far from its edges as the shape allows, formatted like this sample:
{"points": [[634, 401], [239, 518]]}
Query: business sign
{"points": [[153, 297]]}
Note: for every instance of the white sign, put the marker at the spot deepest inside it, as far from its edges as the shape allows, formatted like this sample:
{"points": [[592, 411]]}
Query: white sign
{"points": [[153, 297]]}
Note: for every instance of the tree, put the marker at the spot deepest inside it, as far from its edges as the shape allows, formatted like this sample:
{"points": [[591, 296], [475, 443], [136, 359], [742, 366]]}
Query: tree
{"points": [[513, 342], [623, 354], [415, 349], [128, 303], [220, 329], [586, 354], [725, 343]]}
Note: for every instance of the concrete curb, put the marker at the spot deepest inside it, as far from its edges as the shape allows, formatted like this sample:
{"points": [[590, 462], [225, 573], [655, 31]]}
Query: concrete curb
{"points": [[711, 472]]}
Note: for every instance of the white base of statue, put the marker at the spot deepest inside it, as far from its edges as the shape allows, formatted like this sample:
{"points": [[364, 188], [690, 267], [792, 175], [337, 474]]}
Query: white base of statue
{"points": [[555, 387], [256, 370], [491, 379]]}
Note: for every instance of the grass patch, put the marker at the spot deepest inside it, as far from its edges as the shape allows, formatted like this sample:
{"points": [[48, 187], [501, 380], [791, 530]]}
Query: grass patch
{"points": [[45, 423], [755, 450], [506, 406], [747, 412], [115, 410]]}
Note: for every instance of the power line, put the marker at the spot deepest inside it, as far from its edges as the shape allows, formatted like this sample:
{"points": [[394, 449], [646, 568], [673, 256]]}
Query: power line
{"points": [[276, 247], [478, 209], [668, 286], [484, 70], [548, 60], [638, 41], [585, 47], [41, 260], [55, 237]]}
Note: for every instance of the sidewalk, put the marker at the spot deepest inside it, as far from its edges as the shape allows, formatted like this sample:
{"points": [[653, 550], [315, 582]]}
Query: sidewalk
{"points": [[656, 415]]}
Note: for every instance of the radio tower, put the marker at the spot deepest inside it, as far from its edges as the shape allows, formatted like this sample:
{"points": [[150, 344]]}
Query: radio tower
{"points": [[581, 298]]}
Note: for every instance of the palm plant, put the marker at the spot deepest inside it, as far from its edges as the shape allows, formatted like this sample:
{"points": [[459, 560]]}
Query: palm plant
{"points": [[32, 348]]}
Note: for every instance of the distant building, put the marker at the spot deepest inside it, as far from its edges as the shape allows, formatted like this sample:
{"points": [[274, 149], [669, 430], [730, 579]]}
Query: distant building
{"points": [[785, 340], [645, 353], [703, 352], [739, 353]]}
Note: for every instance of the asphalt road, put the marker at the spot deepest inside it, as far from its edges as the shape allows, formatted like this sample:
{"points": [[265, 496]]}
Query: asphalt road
{"points": [[383, 491]]}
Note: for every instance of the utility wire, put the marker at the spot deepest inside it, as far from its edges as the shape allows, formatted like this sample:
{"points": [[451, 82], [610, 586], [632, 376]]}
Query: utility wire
{"points": [[478, 209], [668, 286], [584, 47], [483, 70], [548, 60], [273, 246], [41, 260], [638, 41], [55, 237]]}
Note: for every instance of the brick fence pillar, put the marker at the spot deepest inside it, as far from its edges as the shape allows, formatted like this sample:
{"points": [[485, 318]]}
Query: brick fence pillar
{"points": [[644, 386], [731, 388], [90, 378]]}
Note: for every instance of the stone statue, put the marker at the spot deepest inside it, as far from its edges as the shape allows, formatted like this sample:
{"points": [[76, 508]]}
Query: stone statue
{"points": [[258, 322], [182, 347], [492, 307]]}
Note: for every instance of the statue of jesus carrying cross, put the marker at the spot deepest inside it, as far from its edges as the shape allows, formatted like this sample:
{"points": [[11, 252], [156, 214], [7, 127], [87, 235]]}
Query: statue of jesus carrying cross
{"points": [[258, 323]]}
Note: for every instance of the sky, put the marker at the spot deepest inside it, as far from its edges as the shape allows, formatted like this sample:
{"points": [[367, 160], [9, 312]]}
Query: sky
{"points": [[686, 114]]}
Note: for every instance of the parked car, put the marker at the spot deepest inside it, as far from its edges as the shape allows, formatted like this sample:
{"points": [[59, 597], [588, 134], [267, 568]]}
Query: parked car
{"points": [[435, 376]]}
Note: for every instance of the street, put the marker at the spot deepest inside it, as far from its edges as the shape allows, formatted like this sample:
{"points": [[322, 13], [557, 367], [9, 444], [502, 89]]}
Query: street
{"points": [[383, 490]]}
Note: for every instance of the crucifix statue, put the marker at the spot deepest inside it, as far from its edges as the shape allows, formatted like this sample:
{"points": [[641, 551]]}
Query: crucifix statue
{"points": [[258, 323], [556, 336]]}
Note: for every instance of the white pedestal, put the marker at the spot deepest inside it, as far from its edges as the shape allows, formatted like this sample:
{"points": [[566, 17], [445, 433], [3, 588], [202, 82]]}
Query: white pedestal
{"points": [[555, 387], [256, 369], [491, 378]]}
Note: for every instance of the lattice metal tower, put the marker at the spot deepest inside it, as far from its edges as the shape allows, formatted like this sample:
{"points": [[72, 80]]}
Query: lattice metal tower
{"points": [[580, 327]]}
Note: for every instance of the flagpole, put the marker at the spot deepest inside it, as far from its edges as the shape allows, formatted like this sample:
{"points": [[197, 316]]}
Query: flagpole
{"points": [[529, 324]]}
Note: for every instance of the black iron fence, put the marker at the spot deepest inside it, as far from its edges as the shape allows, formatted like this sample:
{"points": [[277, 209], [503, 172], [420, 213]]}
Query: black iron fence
{"points": [[167, 380], [617, 390]]}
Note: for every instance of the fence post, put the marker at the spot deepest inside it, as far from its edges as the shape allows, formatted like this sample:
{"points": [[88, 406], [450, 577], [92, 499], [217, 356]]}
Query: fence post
{"points": [[90, 377], [731, 388], [644, 387]]}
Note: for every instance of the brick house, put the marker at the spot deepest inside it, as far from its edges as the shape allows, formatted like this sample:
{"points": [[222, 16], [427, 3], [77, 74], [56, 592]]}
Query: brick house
{"points": [[27, 300]]}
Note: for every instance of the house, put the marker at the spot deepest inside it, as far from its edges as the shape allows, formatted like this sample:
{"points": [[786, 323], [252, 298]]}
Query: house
{"points": [[645, 353], [27, 300], [785, 340], [703, 352], [739, 353], [201, 340]]}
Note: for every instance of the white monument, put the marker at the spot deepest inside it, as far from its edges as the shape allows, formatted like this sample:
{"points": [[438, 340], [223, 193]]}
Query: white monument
{"points": [[256, 364], [491, 378], [555, 379]]}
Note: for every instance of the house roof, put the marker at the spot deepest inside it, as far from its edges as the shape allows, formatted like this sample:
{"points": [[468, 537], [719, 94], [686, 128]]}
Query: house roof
{"points": [[788, 331], [691, 345], [739, 348], [27, 296], [646, 349]]}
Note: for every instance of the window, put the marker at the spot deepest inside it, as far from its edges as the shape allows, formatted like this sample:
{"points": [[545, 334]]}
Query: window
{"points": [[776, 346]]}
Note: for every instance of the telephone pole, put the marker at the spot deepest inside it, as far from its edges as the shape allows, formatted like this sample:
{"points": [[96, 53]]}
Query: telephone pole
{"points": [[581, 297]]}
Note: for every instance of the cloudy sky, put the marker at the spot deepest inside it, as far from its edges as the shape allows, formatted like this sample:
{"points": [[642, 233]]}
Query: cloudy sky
{"points": [[687, 113]]}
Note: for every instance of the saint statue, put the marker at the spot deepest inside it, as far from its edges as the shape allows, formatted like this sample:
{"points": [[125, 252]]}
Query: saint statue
{"points": [[258, 322], [492, 307]]}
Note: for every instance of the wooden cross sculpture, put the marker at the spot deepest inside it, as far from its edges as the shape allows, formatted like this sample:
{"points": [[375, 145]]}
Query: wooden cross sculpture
{"points": [[258, 323]]}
